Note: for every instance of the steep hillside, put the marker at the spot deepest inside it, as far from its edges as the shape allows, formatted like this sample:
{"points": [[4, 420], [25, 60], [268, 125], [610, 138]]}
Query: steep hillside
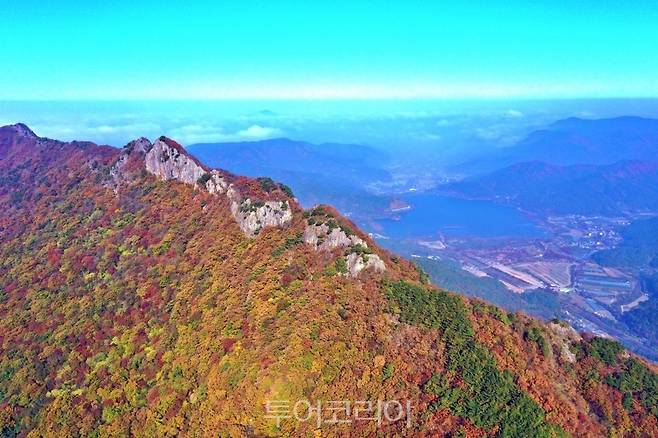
{"points": [[144, 294], [638, 248]]}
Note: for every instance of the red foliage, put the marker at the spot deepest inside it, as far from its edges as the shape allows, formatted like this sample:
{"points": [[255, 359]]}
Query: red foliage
{"points": [[227, 344]]}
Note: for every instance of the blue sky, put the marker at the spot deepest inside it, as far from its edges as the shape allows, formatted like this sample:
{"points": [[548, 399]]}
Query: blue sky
{"points": [[282, 49]]}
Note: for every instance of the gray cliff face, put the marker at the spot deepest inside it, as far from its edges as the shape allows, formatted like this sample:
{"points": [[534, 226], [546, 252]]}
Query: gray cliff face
{"points": [[116, 172], [140, 146], [565, 336], [168, 162], [322, 238], [357, 263], [216, 184], [253, 216]]}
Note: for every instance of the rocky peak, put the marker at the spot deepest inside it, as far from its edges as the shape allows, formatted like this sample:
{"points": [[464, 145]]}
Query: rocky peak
{"points": [[215, 182], [358, 262], [325, 232], [21, 130], [141, 145], [167, 160], [252, 216], [324, 238]]}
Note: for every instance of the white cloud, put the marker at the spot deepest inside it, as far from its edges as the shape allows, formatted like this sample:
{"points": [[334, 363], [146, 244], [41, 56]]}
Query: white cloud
{"points": [[514, 114], [498, 135], [444, 122], [198, 133], [259, 132], [98, 133], [488, 133]]}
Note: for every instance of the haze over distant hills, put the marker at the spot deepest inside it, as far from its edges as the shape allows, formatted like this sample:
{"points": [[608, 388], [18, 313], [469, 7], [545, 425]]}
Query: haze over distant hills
{"points": [[578, 141], [539, 187], [605, 166], [357, 163], [583, 141], [320, 173]]}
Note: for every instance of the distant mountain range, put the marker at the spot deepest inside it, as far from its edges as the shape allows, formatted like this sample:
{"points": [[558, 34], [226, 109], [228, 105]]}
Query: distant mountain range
{"points": [[355, 163], [627, 186], [319, 173], [606, 166], [577, 141]]}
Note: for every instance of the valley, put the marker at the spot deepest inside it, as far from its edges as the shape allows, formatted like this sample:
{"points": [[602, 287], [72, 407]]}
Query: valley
{"points": [[527, 236], [589, 296]]}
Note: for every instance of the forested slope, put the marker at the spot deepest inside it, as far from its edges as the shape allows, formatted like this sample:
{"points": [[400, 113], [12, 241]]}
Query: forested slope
{"points": [[143, 294]]}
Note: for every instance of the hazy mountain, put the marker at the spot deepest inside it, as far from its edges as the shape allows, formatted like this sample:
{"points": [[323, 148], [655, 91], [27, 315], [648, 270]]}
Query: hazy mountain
{"points": [[354, 163], [602, 141], [577, 141], [319, 173], [145, 294], [628, 186]]}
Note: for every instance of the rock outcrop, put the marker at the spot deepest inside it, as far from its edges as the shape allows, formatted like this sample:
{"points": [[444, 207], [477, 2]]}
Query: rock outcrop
{"points": [[168, 160], [216, 183], [139, 147], [564, 336], [324, 233], [358, 262], [252, 216], [325, 239]]}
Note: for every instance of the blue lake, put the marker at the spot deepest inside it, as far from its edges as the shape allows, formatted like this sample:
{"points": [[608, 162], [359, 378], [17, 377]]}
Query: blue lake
{"points": [[433, 215]]}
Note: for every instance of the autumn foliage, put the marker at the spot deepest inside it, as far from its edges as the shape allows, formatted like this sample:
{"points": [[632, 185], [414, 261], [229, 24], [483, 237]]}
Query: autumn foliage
{"points": [[141, 309]]}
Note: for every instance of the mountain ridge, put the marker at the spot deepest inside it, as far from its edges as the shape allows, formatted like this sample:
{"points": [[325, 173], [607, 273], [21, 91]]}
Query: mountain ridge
{"points": [[629, 186], [576, 141], [339, 174], [133, 302], [591, 141]]}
